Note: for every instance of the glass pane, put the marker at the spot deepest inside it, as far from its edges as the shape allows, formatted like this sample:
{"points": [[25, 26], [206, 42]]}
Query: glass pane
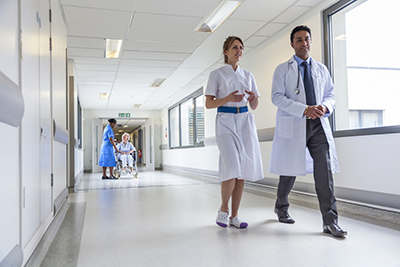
{"points": [[187, 122], [200, 118], [366, 77], [151, 144], [174, 127]]}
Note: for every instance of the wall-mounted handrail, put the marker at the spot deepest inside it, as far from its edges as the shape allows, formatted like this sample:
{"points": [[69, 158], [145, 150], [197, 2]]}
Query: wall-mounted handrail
{"points": [[11, 102]]}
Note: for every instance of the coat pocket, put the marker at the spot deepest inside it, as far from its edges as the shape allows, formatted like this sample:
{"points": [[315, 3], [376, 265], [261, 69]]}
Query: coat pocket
{"points": [[285, 129]]}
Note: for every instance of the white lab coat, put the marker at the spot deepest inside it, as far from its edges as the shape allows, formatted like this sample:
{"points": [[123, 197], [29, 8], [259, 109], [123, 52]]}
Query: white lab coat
{"points": [[289, 155]]}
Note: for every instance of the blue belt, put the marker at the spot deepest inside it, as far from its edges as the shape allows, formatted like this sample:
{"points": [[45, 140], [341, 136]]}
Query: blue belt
{"points": [[233, 109]]}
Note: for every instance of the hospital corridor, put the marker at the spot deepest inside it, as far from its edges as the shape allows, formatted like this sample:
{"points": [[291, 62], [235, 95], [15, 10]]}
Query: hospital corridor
{"points": [[184, 133]]}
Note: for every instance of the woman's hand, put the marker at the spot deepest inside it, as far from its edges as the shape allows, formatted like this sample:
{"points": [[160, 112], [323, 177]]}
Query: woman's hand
{"points": [[233, 97], [253, 99], [252, 96]]}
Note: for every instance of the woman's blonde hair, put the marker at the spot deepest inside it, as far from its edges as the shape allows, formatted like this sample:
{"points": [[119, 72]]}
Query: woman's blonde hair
{"points": [[129, 137], [227, 44]]}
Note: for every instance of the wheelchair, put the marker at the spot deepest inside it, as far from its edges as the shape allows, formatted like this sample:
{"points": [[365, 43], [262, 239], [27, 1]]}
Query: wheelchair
{"points": [[118, 169]]}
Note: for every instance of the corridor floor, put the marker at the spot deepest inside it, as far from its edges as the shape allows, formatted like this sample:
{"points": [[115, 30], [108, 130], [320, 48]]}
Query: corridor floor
{"points": [[168, 219]]}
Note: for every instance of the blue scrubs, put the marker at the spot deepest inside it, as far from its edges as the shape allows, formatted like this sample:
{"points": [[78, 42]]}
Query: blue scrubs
{"points": [[107, 158]]}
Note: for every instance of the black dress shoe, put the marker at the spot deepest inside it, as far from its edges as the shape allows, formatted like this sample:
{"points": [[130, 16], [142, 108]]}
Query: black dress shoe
{"points": [[283, 216], [334, 230], [105, 177]]}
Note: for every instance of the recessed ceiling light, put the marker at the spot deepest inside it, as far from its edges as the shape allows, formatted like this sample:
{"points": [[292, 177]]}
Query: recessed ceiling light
{"points": [[157, 82], [104, 95], [136, 106], [113, 48], [218, 15], [126, 125]]}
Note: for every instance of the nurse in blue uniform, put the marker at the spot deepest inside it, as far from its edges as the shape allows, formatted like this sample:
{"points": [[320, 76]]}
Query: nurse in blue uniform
{"points": [[107, 158], [230, 89]]}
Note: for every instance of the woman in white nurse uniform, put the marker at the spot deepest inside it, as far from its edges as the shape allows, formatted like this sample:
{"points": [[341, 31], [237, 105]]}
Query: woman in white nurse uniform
{"points": [[229, 89]]}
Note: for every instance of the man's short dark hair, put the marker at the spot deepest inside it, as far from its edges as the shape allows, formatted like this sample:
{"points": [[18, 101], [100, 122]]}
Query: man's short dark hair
{"points": [[297, 29]]}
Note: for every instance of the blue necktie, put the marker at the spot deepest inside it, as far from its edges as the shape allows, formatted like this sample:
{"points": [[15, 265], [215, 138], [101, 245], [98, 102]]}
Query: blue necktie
{"points": [[308, 85]]}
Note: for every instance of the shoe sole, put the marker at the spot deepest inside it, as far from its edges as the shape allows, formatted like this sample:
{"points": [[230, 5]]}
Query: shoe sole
{"points": [[290, 222], [241, 226], [222, 224], [329, 232]]}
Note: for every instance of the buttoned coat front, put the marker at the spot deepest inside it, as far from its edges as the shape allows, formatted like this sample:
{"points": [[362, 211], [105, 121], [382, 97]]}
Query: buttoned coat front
{"points": [[289, 155]]}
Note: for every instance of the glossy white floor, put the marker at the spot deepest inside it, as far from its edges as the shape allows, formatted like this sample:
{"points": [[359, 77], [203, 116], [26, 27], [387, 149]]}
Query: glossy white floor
{"points": [[167, 219]]}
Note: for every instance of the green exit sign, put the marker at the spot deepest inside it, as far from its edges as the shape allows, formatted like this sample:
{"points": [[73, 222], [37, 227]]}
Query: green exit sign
{"points": [[124, 115]]}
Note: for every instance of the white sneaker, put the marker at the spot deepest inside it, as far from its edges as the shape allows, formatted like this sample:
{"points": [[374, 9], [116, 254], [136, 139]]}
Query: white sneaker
{"points": [[238, 223], [222, 218]]}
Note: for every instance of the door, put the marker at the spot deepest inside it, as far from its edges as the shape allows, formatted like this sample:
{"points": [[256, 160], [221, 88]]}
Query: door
{"points": [[149, 126], [97, 138], [45, 111]]}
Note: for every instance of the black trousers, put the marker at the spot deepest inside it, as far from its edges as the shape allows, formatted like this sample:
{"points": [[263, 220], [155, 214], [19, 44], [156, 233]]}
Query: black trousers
{"points": [[319, 149]]}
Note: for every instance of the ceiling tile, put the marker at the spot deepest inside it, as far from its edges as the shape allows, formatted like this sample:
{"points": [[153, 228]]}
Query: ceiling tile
{"points": [[93, 67], [177, 7], [270, 29], [146, 22], [291, 14], [98, 17], [155, 55], [255, 40], [261, 10], [150, 63], [94, 31], [121, 5], [167, 36], [96, 75], [85, 52], [165, 71], [85, 42], [134, 80], [157, 46], [307, 2], [97, 61]]}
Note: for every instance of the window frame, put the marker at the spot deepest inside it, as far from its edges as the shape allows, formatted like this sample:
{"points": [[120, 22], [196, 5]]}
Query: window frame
{"points": [[328, 55], [193, 97]]}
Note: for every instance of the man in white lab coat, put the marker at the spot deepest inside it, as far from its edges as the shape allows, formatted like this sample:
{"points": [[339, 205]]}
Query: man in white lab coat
{"points": [[303, 91]]}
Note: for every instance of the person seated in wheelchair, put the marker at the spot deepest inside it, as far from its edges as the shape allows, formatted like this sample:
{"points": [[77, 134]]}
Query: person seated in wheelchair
{"points": [[126, 149]]}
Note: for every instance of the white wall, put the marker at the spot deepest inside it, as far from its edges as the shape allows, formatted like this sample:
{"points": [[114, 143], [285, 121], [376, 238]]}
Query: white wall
{"points": [[367, 162]]}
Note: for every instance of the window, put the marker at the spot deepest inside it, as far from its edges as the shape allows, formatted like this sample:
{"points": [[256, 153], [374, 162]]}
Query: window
{"points": [[363, 58], [79, 115], [174, 127], [186, 121]]}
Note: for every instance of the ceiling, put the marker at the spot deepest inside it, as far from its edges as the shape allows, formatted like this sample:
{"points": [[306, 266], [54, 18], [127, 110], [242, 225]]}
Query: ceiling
{"points": [[159, 41]]}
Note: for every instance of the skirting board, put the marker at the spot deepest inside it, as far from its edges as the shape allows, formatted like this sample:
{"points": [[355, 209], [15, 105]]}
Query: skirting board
{"points": [[59, 201], [367, 198]]}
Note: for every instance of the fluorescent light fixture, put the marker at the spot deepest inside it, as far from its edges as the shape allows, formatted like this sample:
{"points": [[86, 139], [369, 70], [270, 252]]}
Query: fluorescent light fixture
{"points": [[113, 47], [218, 15], [126, 125], [157, 82], [104, 95]]}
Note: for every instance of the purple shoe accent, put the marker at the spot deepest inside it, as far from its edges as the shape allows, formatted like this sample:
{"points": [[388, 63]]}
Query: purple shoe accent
{"points": [[243, 225], [222, 224]]}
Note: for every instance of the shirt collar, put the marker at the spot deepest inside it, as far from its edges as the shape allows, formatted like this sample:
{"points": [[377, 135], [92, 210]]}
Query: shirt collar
{"points": [[299, 60], [230, 67]]}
